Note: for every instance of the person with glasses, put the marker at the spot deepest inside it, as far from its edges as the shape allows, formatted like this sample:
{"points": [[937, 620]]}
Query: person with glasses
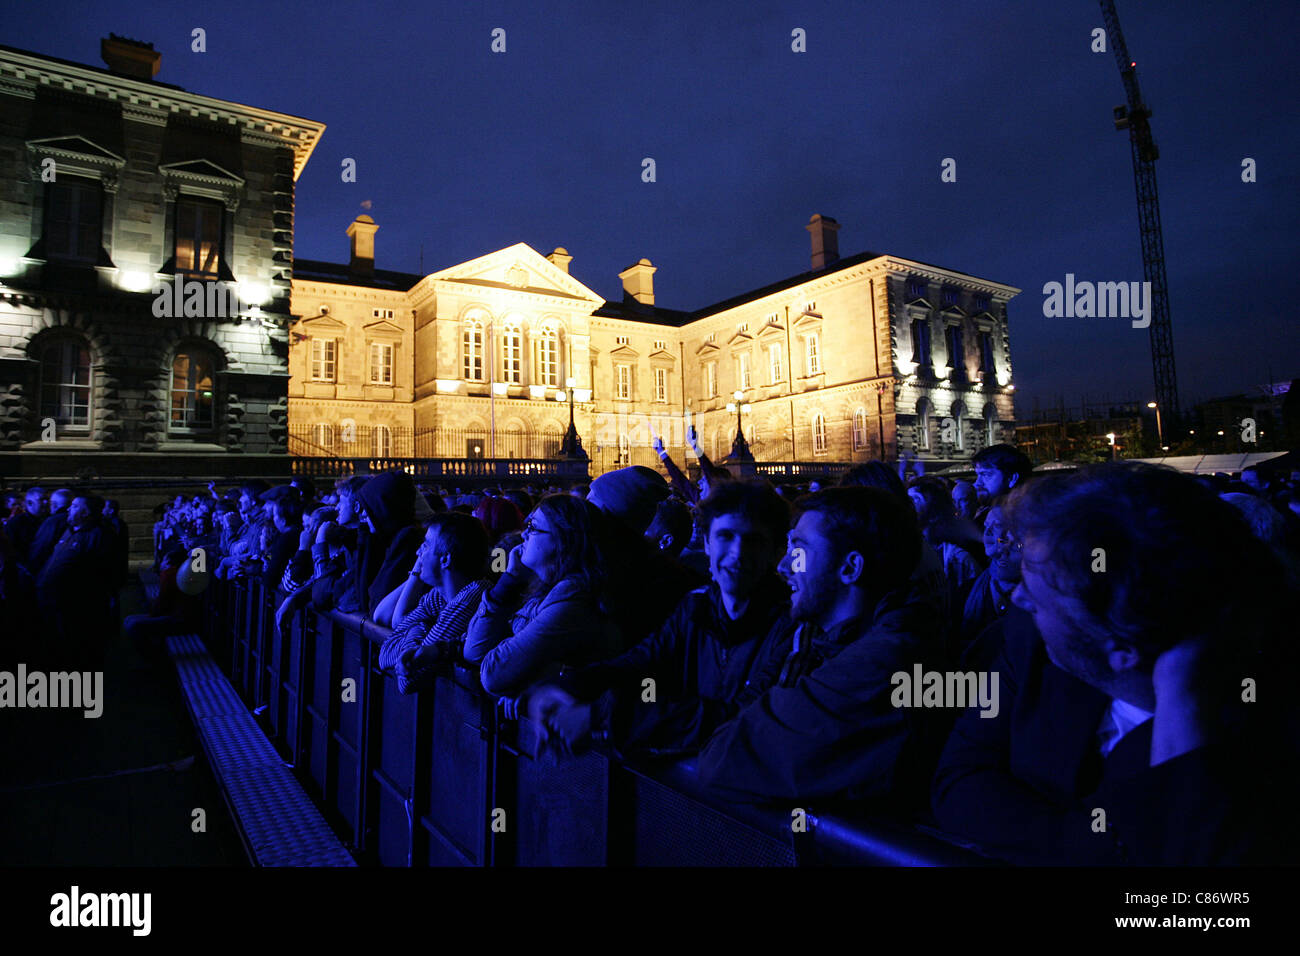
{"points": [[547, 609]]}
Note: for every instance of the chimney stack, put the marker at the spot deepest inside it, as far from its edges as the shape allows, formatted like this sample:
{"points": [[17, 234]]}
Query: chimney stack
{"points": [[362, 233], [561, 257], [638, 282], [825, 244], [127, 57]]}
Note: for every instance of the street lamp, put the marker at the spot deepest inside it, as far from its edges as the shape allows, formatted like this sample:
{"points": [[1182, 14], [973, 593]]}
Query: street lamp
{"points": [[1160, 434], [571, 447], [739, 447], [1110, 437]]}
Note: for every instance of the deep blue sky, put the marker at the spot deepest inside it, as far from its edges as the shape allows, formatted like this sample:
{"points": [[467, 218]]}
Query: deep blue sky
{"points": [[466, 151]]}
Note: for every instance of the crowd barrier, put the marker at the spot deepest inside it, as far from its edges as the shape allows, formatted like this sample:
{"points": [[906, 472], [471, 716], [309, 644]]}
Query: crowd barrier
{"points": [[443, 778]]}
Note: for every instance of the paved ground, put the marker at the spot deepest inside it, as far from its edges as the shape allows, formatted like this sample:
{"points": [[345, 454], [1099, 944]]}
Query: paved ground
{"points": [[118, 790]]}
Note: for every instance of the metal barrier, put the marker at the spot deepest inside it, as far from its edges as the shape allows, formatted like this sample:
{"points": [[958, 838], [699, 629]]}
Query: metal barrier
{"points": [[441, 778]]}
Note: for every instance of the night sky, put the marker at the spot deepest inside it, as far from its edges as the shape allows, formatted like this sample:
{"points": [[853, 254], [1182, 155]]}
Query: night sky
{"points": [[463, 151]]}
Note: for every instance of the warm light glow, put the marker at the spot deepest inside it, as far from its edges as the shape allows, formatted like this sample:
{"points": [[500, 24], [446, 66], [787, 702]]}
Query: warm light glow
{"points": [[254, 293], [1151, 404], [499, 388], [561, 397], [582, 394], [135, 282], [447, 385], [1111, 437], [731, 406], [570, 382], [537, 391], [1220, 432], [737, 394]]}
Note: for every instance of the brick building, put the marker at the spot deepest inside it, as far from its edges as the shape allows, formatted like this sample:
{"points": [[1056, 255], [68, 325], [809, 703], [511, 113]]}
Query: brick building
{"points": [[114, 187]]}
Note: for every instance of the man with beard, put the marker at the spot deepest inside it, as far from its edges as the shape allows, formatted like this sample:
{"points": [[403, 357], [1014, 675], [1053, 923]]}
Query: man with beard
{"points": [[668, 693], [990, 596], [826, 726]]}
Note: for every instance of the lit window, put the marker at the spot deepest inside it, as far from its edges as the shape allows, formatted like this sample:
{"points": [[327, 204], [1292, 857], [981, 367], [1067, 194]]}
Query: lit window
{"points": [[742, 327], [810, 307], [624, 451], [711, 380], [860, 429], [511, 355], [620, 340], [192, 392], [661, 345], [661, 385], [990, 426], [65, 384], [923, 424], [775, 372], [382, 313], [323, 359], [773, 318], [742, 370], [72, 220], [622, 381], [381, 363], [818, 433], [472, 351], [958, 413], [812, 354], [198, 236], [548, 357], [381, 441]]}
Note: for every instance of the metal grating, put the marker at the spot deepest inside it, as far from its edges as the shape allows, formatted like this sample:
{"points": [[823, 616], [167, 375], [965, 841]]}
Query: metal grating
{"points": [[281, 826]]}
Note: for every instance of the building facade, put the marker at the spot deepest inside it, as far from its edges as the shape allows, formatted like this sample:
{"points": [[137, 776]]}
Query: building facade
{"points": [[857, 358], [146, 254]]}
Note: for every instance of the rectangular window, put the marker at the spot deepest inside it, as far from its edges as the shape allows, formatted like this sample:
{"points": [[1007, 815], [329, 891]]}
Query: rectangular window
{"points": [[472, 359], [711, 380], [810, 307], [622, 381], [742, 327], [915, 289], [742, 371], [323, 354], [982, 303], [381, 363], [661, 345], [812, 354], [620, 340], [987, 363], [775, 372], [512, 357], [72, 221], [382, 313], [661, 385], [951, 296], [956, 348], [921, 342], [198, 236], [773, 318]]}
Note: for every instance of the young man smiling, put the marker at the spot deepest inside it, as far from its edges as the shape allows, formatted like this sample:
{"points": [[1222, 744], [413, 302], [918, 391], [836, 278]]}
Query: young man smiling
{"points": [[667, 693]]}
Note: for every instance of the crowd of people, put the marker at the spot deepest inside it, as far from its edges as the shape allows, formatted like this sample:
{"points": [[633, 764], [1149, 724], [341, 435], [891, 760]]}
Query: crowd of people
{"points": [[1137, 625]]}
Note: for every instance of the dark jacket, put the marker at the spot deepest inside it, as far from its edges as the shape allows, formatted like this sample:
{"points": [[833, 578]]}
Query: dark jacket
{"points": [[21, 529], [76, 586], [836, 733], [1025, 785], [701, 662], [48, 535], [385, 555], [644, 584]]}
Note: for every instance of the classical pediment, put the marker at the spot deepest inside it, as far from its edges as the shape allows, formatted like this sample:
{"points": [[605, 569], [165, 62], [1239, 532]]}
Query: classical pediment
{"points": [[741, 338], [77, 146], [807, 320], [321, 324], [624, 352], [519, 268], [383, 327], [663, 355], [707, 348]]}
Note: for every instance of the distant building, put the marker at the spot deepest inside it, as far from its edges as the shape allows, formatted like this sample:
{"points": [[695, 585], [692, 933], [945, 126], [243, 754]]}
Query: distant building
{"points": [[854, 359], [115, 188]]}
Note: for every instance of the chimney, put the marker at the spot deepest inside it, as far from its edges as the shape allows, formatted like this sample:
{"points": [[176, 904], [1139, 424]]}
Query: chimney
{"points": [[638, 282], [825, 244], [561, 257], [127, 57], [362, 233]]}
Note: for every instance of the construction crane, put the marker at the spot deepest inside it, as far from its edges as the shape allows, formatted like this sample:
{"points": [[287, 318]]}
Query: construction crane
{"points": [[1135, 117]]}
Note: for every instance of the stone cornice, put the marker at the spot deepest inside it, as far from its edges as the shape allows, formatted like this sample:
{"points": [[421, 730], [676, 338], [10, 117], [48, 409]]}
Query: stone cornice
{"points": [[898, 266], [150, 102]]}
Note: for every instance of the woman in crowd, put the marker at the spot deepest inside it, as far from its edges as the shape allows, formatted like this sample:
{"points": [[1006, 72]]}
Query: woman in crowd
{"points": [[546, 609]]}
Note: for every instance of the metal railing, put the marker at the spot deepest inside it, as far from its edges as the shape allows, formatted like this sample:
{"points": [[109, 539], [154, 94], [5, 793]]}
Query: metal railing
{"points": [[442, 778]]}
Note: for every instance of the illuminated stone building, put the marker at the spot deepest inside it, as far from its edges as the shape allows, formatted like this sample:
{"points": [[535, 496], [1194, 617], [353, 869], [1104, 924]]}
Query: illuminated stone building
{"points": [[857, 358], [114, 186]]}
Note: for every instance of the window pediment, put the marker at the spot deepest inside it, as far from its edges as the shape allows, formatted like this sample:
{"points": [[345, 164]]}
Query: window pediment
{"points": [[770, 330], [624, 352], [663, 355], [202, 177], [808, 322], [323, 325], [75, 155], [383, 328], [740, 338], [953, 312], [707, 349]]}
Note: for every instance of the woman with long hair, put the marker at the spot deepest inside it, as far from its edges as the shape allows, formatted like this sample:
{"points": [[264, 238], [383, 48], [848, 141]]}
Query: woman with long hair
{"points": [[547, 608]]}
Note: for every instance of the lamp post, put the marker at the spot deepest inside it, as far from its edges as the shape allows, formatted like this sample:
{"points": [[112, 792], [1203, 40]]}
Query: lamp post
{"points": [[739, 447], [1110, 436], [571, 448], [1160, 432]]}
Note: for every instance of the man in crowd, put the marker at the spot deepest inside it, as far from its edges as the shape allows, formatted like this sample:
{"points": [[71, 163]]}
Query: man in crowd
{"points": [[50, 531], [700, 660], [826, 727], [1130, 732], [999, 469], [77, 584], [22, 528]]}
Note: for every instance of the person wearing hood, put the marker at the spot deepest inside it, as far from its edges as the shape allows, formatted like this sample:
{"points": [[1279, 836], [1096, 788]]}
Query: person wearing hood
{"points": [[390, 513], [646, 583]]}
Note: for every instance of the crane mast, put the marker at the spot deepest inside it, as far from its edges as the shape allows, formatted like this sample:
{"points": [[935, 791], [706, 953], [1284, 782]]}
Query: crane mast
{"points": [[1135, 117]]}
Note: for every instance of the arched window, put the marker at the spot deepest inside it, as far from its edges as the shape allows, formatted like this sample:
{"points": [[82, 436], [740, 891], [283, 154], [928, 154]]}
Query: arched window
{"points": [[381, 441], [192, 391], [958, 413], [512, 353], [990, 425], [923, 424], [511, 443], [860, 429], [322, 436], [547, 370], [552, 439], [472, 348], [65, 384], [624, 451], [818, 433]]}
